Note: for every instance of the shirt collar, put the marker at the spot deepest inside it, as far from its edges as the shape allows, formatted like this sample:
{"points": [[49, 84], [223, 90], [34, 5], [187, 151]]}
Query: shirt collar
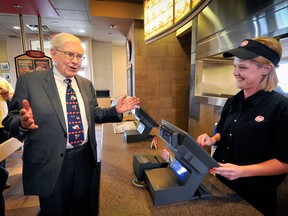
{"points": [[255, 99], [59, 76]]}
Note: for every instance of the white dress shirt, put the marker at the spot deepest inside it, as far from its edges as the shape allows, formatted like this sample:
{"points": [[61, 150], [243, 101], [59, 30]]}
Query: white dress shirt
{"points": [[62, 86]]}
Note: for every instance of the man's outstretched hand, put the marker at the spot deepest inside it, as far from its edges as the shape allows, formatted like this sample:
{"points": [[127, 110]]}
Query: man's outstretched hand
{"points": [[26, 116], [125, 104]]}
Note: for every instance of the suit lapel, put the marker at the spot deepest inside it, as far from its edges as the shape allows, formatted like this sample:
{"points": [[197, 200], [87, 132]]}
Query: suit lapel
{"points": [[51, 90]]}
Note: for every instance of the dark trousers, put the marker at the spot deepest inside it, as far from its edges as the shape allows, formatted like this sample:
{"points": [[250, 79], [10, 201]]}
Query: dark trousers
{"points": [[72, 194], [95, 190]]}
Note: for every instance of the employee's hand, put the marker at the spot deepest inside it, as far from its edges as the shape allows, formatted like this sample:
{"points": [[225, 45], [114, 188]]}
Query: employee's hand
{"points": [[229, 171], [26, 116], [125, 104], [204, 140]]}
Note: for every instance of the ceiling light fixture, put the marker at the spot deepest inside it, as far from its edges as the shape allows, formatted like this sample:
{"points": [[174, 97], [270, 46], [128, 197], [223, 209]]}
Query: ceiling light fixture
{"points": [[17, 6], [82, 31], [111, 26], [34, 28], [16, 27]]}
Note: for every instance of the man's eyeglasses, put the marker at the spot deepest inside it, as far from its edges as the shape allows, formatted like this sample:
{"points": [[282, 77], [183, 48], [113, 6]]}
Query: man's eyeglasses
{"points": [[71, 55]]}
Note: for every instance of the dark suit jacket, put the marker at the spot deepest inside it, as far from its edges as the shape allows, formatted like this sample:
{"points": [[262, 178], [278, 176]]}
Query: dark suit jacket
{"points": [[44, 148]]}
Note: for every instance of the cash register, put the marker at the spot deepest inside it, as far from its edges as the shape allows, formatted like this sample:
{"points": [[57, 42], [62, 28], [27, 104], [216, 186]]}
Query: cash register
{"points": [[144, 128], [181, 181]]}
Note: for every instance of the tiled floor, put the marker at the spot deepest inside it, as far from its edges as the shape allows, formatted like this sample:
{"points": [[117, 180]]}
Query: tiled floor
{"points": [[16, 203]]}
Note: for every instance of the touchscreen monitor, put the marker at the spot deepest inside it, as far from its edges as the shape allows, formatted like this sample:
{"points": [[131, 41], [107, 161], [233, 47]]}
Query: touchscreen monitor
{"points": [[179, 170]]}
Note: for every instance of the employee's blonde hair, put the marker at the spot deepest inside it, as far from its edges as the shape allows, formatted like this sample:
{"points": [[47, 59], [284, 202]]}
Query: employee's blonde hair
{"points": [[269, 81]]}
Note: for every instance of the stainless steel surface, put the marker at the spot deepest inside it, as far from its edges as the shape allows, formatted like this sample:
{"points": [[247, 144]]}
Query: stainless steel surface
{"points": [[217, 101], [222, 26], [215, 78]]}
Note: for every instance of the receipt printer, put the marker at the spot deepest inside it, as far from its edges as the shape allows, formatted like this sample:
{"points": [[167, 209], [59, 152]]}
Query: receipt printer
{"points": [[142, 162]]}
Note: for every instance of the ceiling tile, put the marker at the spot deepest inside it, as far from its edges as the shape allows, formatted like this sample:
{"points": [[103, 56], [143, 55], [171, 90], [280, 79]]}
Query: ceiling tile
{"points": [[75, 15], [61, 29], [76, 23], [54, 22], [12, 19]]}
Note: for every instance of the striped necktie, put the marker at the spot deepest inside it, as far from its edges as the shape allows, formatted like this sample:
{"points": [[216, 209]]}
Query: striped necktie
{"points": [[75, 126]]}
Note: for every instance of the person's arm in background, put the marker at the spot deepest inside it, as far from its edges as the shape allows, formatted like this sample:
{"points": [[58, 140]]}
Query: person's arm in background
{"points": [[12, 122], [6, 91]]}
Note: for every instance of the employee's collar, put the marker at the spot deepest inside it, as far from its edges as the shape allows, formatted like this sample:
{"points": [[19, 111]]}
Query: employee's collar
{"points": [[255, 99]]}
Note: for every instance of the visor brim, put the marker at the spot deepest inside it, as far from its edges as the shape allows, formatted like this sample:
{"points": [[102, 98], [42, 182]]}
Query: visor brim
{"points": [[240, 53]]}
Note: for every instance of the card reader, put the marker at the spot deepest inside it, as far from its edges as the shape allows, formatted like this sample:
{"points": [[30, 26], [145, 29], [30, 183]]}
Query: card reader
{"points": [[142, 162]]}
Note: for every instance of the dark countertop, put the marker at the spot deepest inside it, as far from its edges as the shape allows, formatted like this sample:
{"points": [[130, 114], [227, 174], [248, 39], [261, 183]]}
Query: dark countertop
{"points": [[118, 195]]}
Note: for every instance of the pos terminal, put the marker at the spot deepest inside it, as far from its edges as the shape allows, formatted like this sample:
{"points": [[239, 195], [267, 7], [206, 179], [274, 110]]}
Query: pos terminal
{"points": [[143, 130], [180, 181]]}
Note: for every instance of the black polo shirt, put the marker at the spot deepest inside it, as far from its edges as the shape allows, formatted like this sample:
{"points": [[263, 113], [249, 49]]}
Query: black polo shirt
{"points": [[253, 130]]}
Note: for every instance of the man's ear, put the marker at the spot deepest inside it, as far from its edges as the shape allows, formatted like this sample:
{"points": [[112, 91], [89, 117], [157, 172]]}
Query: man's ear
{"points": [[52, 52]]}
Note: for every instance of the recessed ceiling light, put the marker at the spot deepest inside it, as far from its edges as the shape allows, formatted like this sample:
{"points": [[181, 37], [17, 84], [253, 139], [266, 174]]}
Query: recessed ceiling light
{"points": [[17, 6], [82, 31], [55, 23], [16, 27], [34, 28]]}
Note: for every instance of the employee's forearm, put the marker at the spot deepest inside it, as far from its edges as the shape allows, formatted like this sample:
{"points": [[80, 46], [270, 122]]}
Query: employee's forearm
{"points": [[215, 138], [267, 168]]}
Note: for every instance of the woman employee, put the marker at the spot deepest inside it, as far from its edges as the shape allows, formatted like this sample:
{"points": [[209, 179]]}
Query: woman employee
{"points": [[252, 148]]}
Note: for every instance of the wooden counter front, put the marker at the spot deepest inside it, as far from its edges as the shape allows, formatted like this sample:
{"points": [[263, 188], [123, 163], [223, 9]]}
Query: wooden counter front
{"points": [[118, 196]]}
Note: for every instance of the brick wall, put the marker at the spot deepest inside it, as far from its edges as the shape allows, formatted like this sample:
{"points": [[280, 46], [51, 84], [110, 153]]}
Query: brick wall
{"points": [[161, 71]]}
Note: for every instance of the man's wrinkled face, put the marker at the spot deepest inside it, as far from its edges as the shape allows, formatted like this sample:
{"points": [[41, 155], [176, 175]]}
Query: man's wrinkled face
{"points": [[68, 58]]}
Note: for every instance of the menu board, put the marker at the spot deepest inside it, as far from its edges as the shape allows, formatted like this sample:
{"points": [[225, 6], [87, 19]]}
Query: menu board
{"points": [[158, 16], [182, 8], [164, 16]]}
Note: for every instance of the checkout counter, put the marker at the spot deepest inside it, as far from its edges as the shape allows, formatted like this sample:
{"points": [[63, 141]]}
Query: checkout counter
{"points": [[118, 195]]}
